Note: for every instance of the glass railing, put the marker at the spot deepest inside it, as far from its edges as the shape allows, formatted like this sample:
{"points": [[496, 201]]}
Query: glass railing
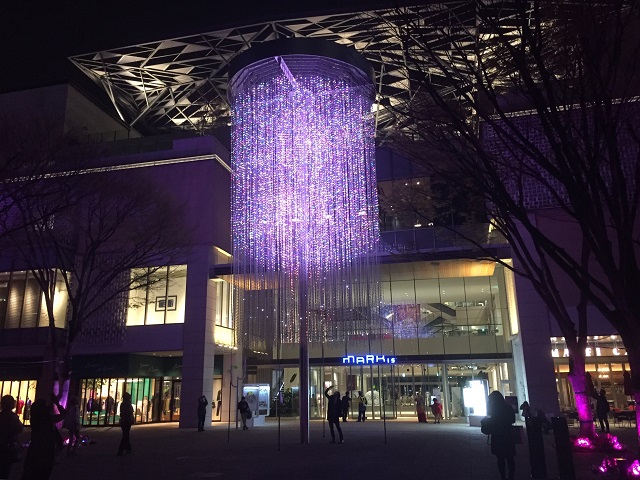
{"points": [[436, 238]]}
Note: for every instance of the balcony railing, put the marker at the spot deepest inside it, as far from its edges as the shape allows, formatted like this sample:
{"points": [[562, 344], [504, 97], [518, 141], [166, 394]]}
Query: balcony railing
{"points": [[439, 238]]}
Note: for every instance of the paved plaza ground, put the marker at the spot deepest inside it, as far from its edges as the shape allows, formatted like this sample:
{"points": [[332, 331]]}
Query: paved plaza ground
{"points": [[408, 450]]}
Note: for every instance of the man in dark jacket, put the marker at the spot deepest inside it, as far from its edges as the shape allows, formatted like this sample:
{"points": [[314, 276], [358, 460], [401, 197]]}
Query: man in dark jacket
{"points": [[243, 406], [202, 412], [602, 410], [334, 409], [346, 402]]}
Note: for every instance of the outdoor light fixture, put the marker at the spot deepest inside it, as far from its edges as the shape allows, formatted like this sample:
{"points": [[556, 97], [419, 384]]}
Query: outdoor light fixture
{"points": [[304, 198], [305, 207]]}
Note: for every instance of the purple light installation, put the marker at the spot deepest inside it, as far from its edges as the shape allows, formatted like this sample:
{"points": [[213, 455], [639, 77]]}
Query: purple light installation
{"points": [[305, 208], [583, 443]]}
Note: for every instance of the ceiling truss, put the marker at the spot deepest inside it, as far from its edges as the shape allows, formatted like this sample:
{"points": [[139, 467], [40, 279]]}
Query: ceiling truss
{"points": [[181, 83]]}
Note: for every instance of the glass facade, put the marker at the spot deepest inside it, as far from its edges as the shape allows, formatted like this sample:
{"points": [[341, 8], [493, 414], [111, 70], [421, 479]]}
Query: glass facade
{"points": [[163, 300], [605, 361], [24, 392], [22, 303], [430, 312], [447, 307], [391, 390], [224, 303], [153, 399]]}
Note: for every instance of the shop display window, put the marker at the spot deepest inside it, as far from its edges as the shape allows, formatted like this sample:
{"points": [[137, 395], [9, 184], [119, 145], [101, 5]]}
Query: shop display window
{"points": [[162, 301], [24, 392], [153, 400]]}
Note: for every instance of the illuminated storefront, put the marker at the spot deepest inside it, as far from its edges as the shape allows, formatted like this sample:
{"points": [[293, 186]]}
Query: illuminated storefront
{"points": [[448, 324], [24, 392], [154, 382], [606, 362]]}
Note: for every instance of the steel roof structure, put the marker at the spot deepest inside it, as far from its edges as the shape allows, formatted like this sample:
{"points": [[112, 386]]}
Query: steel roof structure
{"points": [[181, 82]]}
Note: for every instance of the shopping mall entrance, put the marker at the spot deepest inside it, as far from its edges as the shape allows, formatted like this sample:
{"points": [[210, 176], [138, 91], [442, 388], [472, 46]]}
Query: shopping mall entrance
{"points": [[391, 390]]}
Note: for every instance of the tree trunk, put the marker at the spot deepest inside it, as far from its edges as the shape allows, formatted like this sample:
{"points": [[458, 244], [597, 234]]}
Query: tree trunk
{"points": [[579, 382]]}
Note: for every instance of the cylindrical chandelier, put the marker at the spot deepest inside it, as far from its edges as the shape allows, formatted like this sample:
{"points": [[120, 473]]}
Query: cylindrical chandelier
{"points": [[305, 207]]}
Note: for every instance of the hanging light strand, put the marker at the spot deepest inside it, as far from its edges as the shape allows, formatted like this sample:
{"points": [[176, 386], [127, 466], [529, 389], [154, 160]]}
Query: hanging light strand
{"points": [[305, 209]]}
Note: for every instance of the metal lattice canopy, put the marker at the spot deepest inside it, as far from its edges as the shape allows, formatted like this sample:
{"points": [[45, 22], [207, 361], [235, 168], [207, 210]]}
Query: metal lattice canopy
{"points": [[181, 82]]}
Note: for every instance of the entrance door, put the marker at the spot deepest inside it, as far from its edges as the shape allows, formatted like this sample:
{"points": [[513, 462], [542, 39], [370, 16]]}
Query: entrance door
{"points": [[170, 400], [175, 410]]}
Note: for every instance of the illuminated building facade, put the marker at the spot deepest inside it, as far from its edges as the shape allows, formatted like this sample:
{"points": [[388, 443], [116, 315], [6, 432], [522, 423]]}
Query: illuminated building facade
{"points": [[444, 317]]}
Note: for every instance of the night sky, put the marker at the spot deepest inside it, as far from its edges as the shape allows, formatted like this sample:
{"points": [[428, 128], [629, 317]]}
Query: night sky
{"points": [[37, 37]]}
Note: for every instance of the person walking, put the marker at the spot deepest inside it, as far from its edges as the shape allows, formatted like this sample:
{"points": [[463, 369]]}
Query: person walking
{"points": [[126, 421], [602, 410], [243, 406], [72, 423], [10, 428], [45, 438], [334, 408], [362, 407], [202, 412], [436, 409], [503, 444], [346, 402]]}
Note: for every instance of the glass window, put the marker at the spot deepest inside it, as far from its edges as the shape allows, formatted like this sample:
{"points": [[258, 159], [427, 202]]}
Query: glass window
{"points": [[163, 299], [4, 296], [22, 303], [60, 301], [137, 310], [23, 392], [32, 303], [224, 304], [16, 298], [157, 301], [176, 291]]}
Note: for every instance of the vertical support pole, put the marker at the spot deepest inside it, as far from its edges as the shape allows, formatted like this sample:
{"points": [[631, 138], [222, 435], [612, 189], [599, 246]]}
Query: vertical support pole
{"points": [[445, 391], [564, 451], [304, 359], [537, 460]]}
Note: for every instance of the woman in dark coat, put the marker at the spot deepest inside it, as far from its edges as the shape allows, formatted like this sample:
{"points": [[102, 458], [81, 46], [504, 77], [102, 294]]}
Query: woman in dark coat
{"points": [[45, 439], [10, 428], [503, 444]]}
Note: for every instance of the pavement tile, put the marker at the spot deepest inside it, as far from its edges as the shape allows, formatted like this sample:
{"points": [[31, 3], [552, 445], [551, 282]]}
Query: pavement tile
{"points": [[397, 449]]}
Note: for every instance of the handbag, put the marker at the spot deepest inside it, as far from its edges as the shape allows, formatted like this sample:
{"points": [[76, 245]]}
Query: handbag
{"points": [[486, 425], [248, 414]]}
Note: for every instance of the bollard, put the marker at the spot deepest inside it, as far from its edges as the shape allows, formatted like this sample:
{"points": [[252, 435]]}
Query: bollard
{"points": [[537, 461], [621, 463], [564, 450]]}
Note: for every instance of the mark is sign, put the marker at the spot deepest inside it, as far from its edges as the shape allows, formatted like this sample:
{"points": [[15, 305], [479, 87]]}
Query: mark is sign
{"points": [[367, 360]]}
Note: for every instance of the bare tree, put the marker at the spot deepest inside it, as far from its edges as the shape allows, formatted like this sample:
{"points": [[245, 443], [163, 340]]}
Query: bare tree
{"points": [[94, 238], [532, 104], [31, 149]]}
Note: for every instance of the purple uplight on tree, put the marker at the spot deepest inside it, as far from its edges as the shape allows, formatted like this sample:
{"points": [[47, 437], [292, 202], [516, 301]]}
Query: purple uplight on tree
{"points": [[304, 209]]}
